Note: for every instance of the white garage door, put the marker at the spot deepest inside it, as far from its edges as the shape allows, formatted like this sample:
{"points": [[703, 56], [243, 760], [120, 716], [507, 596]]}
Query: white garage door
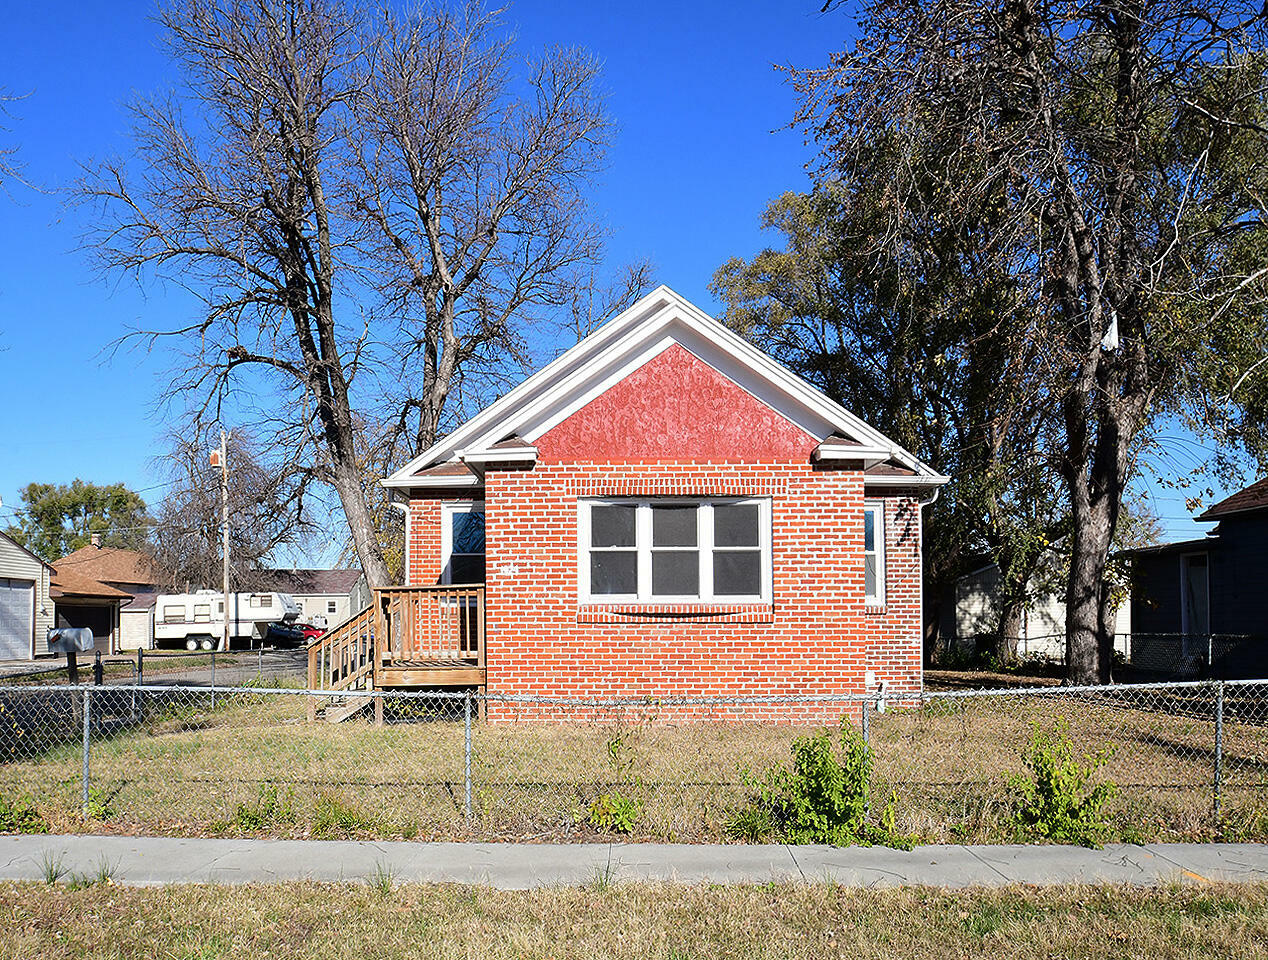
{"points": [[17, 607]]}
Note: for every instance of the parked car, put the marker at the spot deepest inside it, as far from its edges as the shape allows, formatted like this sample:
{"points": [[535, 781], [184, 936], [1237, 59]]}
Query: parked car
{"points": [[310, 631], [285, 635]]}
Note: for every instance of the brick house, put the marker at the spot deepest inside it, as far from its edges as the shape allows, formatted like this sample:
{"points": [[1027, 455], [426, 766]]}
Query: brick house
{"points": [[662, 511]]}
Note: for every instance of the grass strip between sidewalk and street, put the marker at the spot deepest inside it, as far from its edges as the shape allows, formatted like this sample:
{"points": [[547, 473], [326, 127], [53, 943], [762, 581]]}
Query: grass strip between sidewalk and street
{"points": [[94, 918]]}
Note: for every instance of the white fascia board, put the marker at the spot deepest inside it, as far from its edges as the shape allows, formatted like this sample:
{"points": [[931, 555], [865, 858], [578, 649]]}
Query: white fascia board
{"points": [[524, 454], [405, 483], [870, 456], [920, 480]]}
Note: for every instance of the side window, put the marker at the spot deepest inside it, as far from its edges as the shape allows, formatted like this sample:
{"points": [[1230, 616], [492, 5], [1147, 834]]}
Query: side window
{"points": [[174, 613], [462, 544], [874, 554], [202, 613], [332, 606]]}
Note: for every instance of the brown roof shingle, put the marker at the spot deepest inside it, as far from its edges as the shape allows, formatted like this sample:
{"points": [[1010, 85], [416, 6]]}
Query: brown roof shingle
{"points": [[1254, 497], [69, 583], [337, 581], [110, 565]]}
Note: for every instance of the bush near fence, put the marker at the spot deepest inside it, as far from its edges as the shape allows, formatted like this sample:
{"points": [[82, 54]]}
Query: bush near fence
{"points": [[1190, 761]]}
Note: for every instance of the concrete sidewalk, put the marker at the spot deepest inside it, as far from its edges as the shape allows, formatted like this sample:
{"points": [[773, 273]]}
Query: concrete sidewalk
{"points": [[161, 860]]}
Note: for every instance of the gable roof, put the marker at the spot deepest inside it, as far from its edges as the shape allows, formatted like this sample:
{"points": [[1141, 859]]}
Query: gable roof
{"points": [[110, 565], [69, 583], [1254, 497], [618, 348], [19, 546], [303, 582]]}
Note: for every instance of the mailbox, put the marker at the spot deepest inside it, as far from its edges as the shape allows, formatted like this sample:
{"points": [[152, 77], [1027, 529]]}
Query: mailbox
{"points": [[69, 640]]}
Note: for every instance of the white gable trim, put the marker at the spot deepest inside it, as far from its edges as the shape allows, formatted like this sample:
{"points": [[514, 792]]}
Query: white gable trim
{"points": [[620, 347]]}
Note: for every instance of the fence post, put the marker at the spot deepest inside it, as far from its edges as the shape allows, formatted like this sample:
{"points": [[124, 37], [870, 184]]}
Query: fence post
{"points": [[466, 775], [87, 741], [866, 738], [1219, 748], [213, 679], [140, 666]]}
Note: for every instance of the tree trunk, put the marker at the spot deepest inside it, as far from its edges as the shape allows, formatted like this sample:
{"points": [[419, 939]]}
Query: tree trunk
{"points": [[1012, 609], [1106, 634], [361, 524]]}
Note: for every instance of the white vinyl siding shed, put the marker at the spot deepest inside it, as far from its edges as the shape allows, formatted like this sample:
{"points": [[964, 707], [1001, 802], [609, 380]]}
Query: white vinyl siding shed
{"points": [[26, 611]]}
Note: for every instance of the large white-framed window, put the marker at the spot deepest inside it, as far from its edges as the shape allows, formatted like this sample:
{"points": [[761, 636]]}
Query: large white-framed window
{"points": [[462, 543], [874, 554], [674, 550]]}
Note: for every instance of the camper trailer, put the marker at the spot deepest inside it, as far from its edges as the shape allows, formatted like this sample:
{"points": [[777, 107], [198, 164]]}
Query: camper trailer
{"points": [[197, 620]]}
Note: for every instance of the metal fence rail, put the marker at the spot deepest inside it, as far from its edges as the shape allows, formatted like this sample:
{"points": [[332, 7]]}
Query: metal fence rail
{"points": [[1190, 760]]}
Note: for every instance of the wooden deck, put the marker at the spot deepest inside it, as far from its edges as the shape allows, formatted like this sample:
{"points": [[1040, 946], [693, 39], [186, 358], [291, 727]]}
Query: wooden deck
{"points": [[408, 638]]}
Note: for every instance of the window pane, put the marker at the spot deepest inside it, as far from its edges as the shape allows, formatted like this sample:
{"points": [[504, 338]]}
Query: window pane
{"points": [[676, 573], [674, 525], [468, 532], [869, 574], [735, 525], [869, 531], [612, 525], [614, 571], [737, 573], [465, 568]]}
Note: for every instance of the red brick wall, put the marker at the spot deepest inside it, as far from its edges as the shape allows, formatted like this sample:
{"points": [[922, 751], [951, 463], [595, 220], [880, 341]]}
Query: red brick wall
{"points": [[816, 637]]}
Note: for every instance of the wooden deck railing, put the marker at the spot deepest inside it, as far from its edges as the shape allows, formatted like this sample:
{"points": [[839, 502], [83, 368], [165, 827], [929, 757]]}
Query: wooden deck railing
{"points": [[343, 657], [431, 623]]}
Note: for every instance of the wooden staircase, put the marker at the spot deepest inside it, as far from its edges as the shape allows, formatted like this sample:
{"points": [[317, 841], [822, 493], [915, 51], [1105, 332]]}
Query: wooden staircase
{"points": [[408, 637]]}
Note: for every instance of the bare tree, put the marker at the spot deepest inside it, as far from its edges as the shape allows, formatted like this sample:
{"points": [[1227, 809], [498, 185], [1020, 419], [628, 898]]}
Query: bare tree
{"points": [[1123, 143], [11, 168], [376, 210], [268, 509]]}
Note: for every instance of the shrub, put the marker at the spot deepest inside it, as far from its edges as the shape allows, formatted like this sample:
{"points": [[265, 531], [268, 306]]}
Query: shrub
{"points": [[21, 816], [1056, 798], [822, 798]]}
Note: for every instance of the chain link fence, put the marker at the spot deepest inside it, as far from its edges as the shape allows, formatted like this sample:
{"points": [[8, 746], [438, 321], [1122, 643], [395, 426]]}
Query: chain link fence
{"points": [[1190, 760], [197, 668]]}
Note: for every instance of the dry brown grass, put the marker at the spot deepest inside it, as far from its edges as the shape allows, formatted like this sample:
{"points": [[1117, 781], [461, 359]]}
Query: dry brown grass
{"points": [[188, 770], [632, 921]]}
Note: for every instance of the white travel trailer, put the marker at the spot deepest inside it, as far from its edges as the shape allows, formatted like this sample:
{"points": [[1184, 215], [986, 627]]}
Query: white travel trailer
{"points": [[197, 620]]}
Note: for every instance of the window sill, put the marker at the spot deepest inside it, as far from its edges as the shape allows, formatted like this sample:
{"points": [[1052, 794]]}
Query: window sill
{"points": [[874, 610], [630, 612]]}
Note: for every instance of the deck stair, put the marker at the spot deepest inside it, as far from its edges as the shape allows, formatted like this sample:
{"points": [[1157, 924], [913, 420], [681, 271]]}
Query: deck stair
{"points": [[417, 637]]}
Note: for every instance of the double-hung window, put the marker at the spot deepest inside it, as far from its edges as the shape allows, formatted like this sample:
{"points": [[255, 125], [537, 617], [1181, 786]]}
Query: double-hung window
{"points": [[874, 554], [666, 551], [462, 544]]}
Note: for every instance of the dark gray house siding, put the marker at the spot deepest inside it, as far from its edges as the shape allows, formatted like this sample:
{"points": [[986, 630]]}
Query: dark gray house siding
{"points": [[1237, 584]]}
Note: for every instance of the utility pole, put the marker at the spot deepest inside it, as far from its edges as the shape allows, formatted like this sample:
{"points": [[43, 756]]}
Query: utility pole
{"points": [[220, 458]]}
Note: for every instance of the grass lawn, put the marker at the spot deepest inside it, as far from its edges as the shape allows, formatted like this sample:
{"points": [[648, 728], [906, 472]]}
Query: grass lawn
{"points": [[254, 766], [630, 921]]}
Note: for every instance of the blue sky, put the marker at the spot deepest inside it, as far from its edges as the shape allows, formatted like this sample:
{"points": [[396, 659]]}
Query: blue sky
{"points": [[701, 148]]}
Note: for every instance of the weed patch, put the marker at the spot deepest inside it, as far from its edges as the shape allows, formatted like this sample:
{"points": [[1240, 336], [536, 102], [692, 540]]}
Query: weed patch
{"points": [[1056, 799], [20, 815], [823, 797]]}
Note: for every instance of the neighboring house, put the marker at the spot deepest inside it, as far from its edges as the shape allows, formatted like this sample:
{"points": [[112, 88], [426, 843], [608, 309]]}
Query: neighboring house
{"points": [[129, 571], [26, 607], [1199, 605], [325, 597], [35, 595], [975, 616], [662, 511]]}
